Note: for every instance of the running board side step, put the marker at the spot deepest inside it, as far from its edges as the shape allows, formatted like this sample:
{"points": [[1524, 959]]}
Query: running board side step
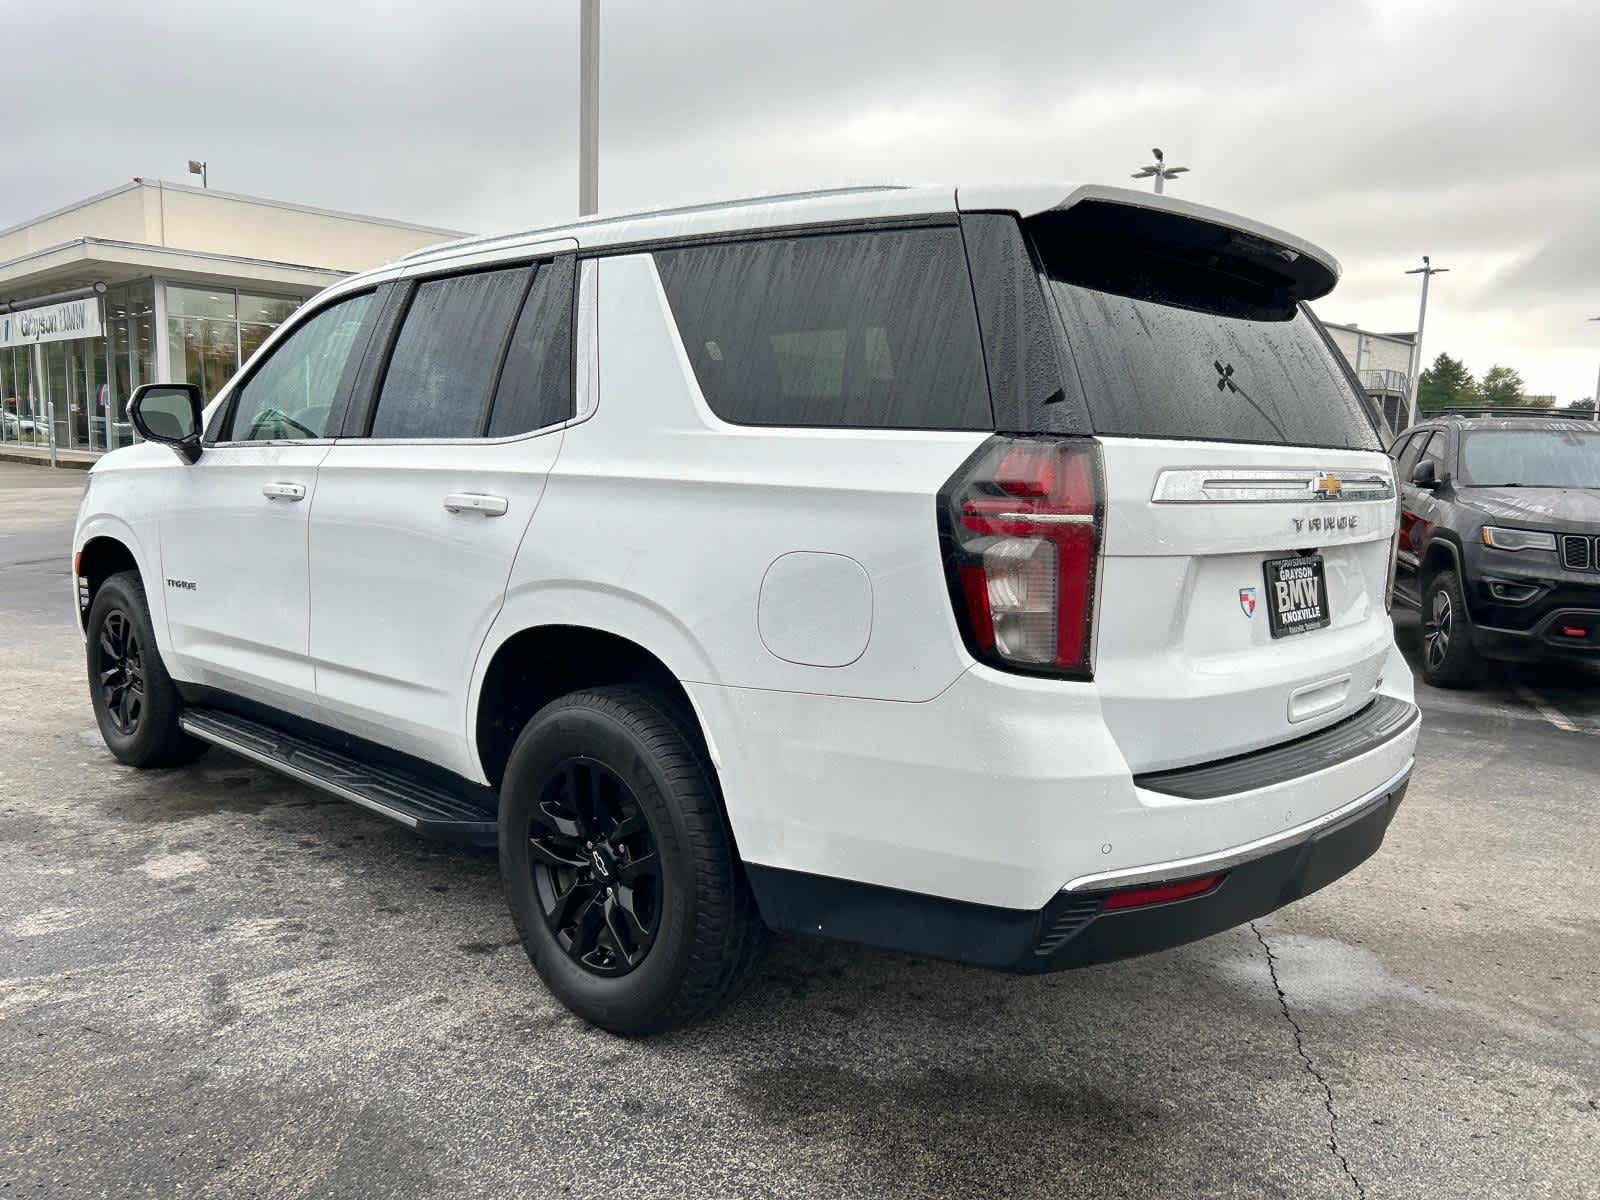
{"points": [[424, 806]]}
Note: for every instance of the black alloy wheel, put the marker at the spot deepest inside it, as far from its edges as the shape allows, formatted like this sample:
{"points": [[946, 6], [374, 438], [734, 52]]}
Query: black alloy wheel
{"points": [[1437, 628], [120, 672], [136, 704], [1448, 656], [619, 865], [596, 868]]}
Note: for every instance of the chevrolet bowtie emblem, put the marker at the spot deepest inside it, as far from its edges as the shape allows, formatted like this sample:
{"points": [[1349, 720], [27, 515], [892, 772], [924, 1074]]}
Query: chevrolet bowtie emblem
{"points": [[1327, 487]]}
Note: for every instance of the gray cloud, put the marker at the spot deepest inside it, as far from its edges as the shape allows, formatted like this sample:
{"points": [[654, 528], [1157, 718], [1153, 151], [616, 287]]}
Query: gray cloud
{"points": [[1383, 131]]}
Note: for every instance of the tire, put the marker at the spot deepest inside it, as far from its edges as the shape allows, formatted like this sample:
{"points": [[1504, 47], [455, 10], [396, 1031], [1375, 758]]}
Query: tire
{"points": [[1448, 659], [613, 772], [135, 701]]}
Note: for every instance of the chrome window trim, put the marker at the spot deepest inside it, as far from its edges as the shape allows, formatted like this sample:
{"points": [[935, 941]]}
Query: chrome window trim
{"points": [[1244, 485], [321, 441], [525, 435]]}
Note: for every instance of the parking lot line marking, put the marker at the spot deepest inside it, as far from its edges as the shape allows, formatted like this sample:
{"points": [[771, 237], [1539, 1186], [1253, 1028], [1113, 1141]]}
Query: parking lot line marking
{"points": [[1550, 712]]}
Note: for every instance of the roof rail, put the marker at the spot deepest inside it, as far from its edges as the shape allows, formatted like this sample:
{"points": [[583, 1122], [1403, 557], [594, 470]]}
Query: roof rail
{"points": [[607, 218], [1467, 411]]}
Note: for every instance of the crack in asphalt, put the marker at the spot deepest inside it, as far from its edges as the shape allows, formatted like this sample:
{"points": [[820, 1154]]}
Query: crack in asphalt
{"points": [[1310, 1067]]}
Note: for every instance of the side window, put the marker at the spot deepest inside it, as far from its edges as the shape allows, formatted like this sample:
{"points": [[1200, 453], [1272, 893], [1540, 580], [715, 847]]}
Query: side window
{"points": [[1408, 459], [863, 330], [1435, 452], [291, 395], [448, 354], [1399, 447], [535, 388]]}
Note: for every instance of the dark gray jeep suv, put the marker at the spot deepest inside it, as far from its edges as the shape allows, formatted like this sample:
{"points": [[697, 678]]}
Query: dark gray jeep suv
{"points": [[1499, 543]]}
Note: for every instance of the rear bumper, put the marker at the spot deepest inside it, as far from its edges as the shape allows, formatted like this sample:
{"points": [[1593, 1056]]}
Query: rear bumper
{"points": [[1075, 929], [1003, 788]]}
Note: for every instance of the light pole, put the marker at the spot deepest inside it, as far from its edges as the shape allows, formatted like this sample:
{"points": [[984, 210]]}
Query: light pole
{"points": [[1596, 400], [589, 108], [1427, 271], [198, 167], [1158, 170]]}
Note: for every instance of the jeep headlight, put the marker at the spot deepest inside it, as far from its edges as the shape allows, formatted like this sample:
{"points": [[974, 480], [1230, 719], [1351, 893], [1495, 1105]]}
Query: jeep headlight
{"points": [[1517, 539]]}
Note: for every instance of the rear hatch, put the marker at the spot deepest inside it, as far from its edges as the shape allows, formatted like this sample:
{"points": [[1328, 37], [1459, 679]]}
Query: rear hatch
{"points": [[1249, 508]]}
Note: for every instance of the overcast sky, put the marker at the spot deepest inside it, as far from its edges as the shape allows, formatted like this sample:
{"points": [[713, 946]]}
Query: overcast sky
{"points": [[1382, 131]]}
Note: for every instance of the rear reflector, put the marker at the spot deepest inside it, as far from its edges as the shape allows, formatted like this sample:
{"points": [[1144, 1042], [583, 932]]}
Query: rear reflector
{"points": [[1574, 631], [1161, 893]]}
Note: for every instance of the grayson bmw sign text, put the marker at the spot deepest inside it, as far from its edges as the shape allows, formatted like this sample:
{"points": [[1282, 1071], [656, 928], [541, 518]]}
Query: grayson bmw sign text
{"points": [[1323, 524]]}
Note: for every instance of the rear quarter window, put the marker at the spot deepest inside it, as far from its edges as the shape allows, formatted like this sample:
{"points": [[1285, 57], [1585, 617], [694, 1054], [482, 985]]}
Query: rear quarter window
{"points": [[862, 330]]}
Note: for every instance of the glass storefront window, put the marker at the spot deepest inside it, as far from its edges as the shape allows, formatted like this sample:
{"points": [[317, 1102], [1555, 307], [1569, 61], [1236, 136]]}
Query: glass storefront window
{"points": [[216, 304], [8, 400], [250, 339], [21, 399], [55, 387], [130, 347], [89, 380], [265, 310], [76, 357], [211, 331]]}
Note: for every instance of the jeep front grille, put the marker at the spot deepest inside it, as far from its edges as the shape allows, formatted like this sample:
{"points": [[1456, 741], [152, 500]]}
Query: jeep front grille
{"points": [[1579, 553]]}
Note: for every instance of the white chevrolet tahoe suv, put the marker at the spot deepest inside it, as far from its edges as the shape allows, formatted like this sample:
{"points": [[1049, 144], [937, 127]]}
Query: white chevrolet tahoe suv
{"points": [[997, 574]]}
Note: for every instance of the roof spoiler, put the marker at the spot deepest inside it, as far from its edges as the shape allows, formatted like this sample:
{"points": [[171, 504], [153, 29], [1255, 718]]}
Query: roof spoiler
{"points": [[1219, 241]]}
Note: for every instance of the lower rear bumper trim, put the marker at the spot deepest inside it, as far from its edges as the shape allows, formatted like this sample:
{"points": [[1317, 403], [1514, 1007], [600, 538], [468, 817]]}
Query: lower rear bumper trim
{"points": [[1222, 860], [1074, 929]]}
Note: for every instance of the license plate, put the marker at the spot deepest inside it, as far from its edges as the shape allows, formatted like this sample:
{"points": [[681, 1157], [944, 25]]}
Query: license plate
{"points": [[1297, 594]]}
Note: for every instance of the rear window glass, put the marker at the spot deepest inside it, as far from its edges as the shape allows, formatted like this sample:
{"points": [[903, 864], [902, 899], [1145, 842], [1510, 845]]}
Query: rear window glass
{"points": [[1161, 356], [864, 330], [1531, 458]]}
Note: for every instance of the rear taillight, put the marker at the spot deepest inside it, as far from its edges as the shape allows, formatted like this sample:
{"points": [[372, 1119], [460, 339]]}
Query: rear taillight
{"points": [[1020, 523]]}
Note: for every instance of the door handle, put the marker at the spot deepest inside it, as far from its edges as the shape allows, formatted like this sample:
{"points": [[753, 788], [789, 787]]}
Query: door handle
{"points": [[489, 506], [284, 491]]}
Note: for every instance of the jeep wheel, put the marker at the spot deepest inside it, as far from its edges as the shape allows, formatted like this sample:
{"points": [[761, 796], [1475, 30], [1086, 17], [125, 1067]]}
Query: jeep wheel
{"points": [[136, 703], [1448, 659], [619, 866]]}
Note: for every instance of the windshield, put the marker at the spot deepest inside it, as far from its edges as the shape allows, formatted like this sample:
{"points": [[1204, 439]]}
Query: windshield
{"points": [[1531, 458]]}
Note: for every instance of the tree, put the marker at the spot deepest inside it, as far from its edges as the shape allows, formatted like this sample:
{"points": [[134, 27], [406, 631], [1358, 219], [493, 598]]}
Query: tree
{"points": [[1587, 404], [1501, 387], [1446, 384]]}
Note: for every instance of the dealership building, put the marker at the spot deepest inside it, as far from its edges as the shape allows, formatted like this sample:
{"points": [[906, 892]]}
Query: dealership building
{"points": [[157, 282], [1382, 361]]}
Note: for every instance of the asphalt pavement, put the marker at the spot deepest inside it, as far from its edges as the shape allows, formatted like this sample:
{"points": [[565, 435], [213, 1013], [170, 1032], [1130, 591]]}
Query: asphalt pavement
{"points": [[217, 983]]}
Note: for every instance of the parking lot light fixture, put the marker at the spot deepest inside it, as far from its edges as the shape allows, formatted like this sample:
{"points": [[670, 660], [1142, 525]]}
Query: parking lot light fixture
{"points": [[589, 108], [1427, 270], [197, 166], [1158, 170], [1595, 399]]}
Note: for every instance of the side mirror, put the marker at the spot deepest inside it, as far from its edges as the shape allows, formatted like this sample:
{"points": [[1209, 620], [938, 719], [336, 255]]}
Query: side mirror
{"points": [[1425, 474], [168, 413]]}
